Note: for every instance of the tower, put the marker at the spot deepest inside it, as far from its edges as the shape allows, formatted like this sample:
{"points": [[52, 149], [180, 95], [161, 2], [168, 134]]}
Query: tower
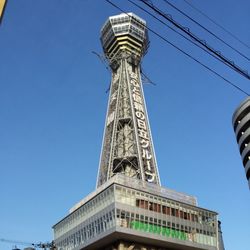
{"points": [[130, 210], [127, 143], [241, 125]]}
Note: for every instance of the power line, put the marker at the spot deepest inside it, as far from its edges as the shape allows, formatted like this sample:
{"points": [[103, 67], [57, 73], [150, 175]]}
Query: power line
{"points": [[188, 39], [17, 242], [36, 245], [203, 27], [185, 53], [200, 41], [217, 24]]}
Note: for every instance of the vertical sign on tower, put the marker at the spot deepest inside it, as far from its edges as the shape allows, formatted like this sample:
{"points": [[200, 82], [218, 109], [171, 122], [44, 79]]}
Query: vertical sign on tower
{"points": [[142, 129]]}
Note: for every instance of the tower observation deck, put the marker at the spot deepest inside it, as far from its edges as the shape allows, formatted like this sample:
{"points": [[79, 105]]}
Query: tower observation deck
{"points": [[130, 210], [127, 143]]}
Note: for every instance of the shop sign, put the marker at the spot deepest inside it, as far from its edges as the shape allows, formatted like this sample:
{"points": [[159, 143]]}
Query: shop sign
{"points": [[155, 229]]}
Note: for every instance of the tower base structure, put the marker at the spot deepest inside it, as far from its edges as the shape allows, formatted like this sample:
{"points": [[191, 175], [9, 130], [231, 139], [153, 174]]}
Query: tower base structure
{"points": [[128, 214]]}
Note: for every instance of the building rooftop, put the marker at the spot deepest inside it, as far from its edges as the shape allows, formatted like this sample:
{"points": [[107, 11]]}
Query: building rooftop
{"points": [[140, 185]]}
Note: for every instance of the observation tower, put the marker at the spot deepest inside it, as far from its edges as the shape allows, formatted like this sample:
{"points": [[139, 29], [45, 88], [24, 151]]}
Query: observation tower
{"points": [[127, 143], [130, 210]]}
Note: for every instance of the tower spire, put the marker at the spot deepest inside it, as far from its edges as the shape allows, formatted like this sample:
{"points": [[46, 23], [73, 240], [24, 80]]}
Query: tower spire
{"points": [[127, 144]]}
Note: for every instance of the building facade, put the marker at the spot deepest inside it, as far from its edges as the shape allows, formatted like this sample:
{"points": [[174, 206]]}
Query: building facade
{"points": [[129, 208], [241, 125], [125, 213]]}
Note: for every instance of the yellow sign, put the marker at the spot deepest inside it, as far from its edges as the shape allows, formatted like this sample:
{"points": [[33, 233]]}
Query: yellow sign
{"points": [[2, 4]]}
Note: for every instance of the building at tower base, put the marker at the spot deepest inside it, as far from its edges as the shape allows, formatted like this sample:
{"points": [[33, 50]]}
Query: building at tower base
{"points": [[125, 213]]}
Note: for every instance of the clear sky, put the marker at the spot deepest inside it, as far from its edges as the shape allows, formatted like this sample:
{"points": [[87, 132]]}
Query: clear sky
{"points": [[53, 105]]}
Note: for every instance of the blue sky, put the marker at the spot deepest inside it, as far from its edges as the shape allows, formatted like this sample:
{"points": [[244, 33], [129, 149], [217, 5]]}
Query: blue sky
{"points": [[53, 105]]}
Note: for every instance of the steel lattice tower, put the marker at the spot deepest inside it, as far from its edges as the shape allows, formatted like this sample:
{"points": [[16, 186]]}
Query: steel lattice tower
{"points": [[127, 143], [130, 210]]}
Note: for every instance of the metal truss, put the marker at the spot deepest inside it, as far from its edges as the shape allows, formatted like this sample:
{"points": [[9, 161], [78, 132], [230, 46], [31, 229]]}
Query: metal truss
{"points": [[127, 144]]}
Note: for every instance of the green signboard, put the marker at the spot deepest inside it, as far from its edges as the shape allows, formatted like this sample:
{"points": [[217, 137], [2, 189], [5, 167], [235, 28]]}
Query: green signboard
{"points": [[164, 231]]}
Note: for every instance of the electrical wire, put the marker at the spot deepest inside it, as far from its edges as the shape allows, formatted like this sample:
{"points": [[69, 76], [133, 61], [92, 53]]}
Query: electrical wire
{"points": [[217, 24], [197, 39], [188, 39], [185, 53], [203, 27]]}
